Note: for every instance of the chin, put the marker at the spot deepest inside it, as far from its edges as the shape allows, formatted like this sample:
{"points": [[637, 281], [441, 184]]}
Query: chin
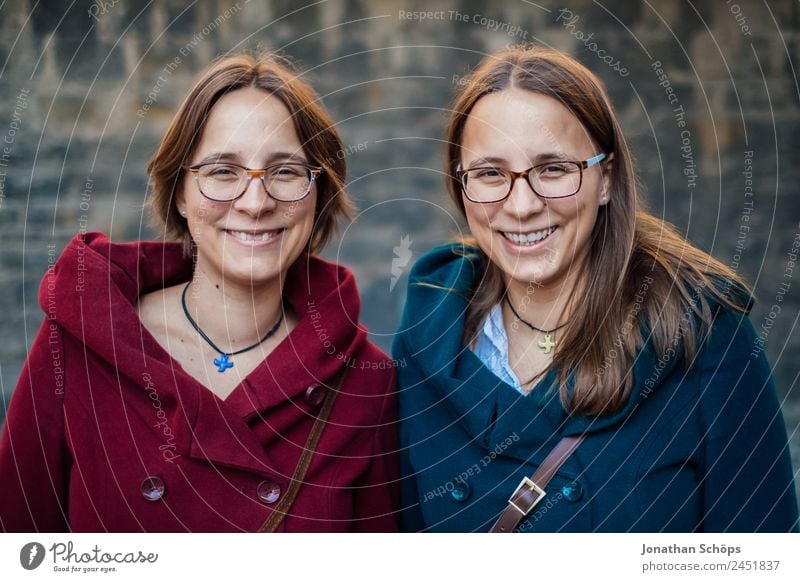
{"points": [[256, 276], [249, 269], [535, 278], [527, 271]]}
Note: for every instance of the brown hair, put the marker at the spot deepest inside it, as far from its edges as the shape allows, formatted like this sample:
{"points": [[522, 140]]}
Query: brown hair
{"points": [[638, 265], [319, 138]]}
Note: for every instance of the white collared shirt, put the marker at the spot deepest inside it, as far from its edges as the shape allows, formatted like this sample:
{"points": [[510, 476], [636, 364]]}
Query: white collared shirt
{"points": [[491, 346]]}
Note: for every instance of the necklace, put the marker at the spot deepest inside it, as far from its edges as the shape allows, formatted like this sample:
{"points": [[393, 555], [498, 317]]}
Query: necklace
{"points": [[223, 362], [549, 341]]}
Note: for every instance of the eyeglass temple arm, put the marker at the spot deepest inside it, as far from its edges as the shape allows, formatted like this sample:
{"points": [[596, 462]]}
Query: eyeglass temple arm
{"points": [[592, 161], [585, 164]]}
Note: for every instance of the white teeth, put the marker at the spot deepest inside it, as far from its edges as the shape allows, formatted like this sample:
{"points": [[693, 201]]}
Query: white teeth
{"points": [[249, 236], [531, 237]]}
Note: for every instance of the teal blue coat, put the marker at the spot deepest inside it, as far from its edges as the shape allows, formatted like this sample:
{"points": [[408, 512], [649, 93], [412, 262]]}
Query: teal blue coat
{"points": [[703, 450]]}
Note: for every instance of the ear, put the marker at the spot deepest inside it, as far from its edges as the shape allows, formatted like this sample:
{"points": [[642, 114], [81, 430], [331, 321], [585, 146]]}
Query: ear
{"points": [[180, 205], [605, 191]]}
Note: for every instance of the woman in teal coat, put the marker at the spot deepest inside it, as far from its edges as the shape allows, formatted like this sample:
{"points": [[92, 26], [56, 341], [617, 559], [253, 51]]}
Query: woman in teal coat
{"points": [[575, 332]]}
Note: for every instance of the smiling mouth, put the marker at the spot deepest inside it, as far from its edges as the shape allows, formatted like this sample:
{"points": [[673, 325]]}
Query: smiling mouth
{"points": [[254, 236], [529, 238]]}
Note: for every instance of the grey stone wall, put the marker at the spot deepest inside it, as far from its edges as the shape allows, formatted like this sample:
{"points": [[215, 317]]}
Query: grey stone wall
{"points": [[87, 89]]}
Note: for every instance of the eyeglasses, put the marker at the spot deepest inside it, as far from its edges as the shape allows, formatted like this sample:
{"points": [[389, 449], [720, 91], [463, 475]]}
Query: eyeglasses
{"points": [[556, 179], [285, 182]]}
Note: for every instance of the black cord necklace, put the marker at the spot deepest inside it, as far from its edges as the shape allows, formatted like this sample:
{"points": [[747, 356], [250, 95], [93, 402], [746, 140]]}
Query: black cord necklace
{"points": [[223, 362], [549, 341]]}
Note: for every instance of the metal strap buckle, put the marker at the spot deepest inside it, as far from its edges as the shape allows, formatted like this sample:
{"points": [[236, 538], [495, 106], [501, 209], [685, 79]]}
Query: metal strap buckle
{"points": [[526, 482]]}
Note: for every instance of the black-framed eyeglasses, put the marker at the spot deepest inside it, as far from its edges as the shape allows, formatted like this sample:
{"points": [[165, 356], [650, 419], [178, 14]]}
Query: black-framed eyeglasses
{"points": [[226, 182], [555, 179]]}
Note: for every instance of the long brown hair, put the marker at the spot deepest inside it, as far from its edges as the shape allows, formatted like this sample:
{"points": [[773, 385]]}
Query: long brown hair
{"points": [[318, 136], [639, 268]]}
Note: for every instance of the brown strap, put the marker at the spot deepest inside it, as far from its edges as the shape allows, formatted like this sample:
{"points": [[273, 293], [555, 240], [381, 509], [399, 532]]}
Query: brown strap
{"points": [[282, 508], [530, 491]]}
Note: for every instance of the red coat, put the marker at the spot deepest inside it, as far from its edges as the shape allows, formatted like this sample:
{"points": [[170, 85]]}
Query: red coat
{"points": [[106, 432]]}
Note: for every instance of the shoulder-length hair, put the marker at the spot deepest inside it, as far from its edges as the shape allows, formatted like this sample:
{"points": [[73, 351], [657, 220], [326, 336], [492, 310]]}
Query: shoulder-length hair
{"points": [[639, 268], [318, 136]]}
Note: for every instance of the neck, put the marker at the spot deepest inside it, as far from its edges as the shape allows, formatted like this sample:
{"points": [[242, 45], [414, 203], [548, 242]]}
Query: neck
{"points": [[546, 307], [233, 316]]}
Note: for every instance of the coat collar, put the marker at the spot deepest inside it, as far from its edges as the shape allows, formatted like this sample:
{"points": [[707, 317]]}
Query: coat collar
{"points": [[433, 328], [97, 283]]}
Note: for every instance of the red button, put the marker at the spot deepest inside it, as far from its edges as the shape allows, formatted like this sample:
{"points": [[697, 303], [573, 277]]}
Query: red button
{"points": [[315, 395]]}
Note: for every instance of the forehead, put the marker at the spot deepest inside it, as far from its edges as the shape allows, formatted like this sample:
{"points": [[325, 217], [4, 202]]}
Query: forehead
{"points": [[248, 119], [516, 123]]}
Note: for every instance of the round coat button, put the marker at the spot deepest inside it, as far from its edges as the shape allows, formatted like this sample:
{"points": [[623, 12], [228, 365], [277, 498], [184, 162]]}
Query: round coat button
{"points": [[572, 491], [460, 491], [315, 395], [268, 491], [153, 488]]}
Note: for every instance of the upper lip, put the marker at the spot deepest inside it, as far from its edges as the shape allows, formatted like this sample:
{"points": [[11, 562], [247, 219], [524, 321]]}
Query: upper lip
{"points": [[254, 231], [528, 231]]}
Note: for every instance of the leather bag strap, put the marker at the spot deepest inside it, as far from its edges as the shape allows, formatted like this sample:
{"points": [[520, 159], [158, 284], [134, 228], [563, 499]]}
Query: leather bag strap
{"points": [[531, 490], [282, 508]]}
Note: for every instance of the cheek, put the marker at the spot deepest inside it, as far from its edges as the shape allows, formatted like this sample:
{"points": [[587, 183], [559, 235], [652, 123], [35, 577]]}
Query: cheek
{"points": [[587, 200], [204, 217], [572, 210], [208, 211], [199, 208], [201, 215], [302, 215], [586, 215], [300, 219], [480, 218]]}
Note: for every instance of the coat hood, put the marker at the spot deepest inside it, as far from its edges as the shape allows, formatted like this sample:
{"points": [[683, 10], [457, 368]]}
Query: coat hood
{"points": [[432, 329], [92, 292]]}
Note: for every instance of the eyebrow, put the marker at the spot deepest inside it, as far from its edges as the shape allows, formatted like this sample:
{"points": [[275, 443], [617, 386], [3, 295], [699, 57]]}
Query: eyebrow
{"points": [[273, 158], [543, 157]]}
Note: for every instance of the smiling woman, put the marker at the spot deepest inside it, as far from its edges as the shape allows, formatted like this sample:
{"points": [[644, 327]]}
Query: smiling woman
{"points": [[576, 348], [194, 391]]}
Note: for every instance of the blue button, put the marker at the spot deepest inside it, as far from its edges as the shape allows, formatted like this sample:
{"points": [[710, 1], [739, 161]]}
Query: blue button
{"points": [[461, 491], [572, 491]]}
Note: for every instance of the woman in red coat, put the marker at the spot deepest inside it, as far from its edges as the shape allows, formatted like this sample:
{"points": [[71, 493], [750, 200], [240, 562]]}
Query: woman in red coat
{"points": [[174, 386]]}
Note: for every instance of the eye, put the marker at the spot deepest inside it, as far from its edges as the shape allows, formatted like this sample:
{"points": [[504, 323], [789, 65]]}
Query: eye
{"points": [[221, 171], [486, 173], [551, 169], [555, 170], [288, 172]]}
